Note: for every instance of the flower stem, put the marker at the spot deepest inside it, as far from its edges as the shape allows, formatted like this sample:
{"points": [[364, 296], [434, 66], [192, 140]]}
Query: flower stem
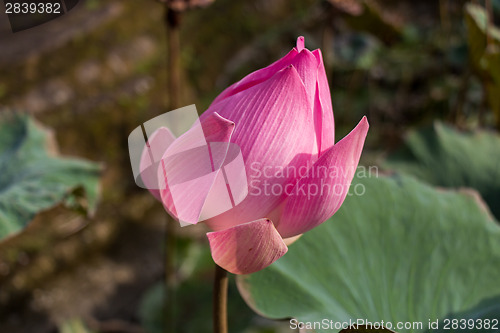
{"points": [[171, 319], [220, 300], [173, 23], [489, 25], [172, 20]]}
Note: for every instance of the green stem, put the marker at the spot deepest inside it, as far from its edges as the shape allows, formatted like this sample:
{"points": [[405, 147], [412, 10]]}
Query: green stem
{"points": [[220, 300], [170, 275], [172, 25], [489, 26]]}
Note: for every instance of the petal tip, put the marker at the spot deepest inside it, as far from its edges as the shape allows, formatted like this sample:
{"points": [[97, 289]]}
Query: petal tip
{"points": [[226, 121], [364, 123], [290, 69], [303, 213], [300, 43]]}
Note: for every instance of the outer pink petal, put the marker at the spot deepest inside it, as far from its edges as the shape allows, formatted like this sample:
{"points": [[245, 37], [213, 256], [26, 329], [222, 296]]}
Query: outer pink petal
{"points": [[151, 156], [191, 166], [256, 77], [323, 111], [274, 130], [248, 247], [320, 193]]}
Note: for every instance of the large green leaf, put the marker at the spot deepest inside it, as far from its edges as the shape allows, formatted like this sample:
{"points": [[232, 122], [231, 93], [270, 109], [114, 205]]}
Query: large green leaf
{"points": [[400, 252], [32, 179], [446, 157]]}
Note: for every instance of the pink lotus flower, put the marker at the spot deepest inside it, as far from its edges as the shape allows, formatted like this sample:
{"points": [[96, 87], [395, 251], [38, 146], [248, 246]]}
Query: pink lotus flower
{"points": [[281, 118]]}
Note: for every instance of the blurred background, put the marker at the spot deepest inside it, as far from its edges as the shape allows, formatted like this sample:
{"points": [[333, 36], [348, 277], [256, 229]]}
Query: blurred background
{"points": [[101, 70]]}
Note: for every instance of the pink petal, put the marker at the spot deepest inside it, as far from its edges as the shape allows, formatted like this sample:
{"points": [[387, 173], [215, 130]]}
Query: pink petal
{"points": [[190, 169], [256, 77], [323, 110], [248, 247], [320, 193], [151, 156], [307, 67], [300, 43], [274, 130]]}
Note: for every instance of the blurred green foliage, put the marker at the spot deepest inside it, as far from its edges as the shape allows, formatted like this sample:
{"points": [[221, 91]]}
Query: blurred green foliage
{"points": [[74, 326], [443, 156], [484, 50], [33, 178], [192, 298]]}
